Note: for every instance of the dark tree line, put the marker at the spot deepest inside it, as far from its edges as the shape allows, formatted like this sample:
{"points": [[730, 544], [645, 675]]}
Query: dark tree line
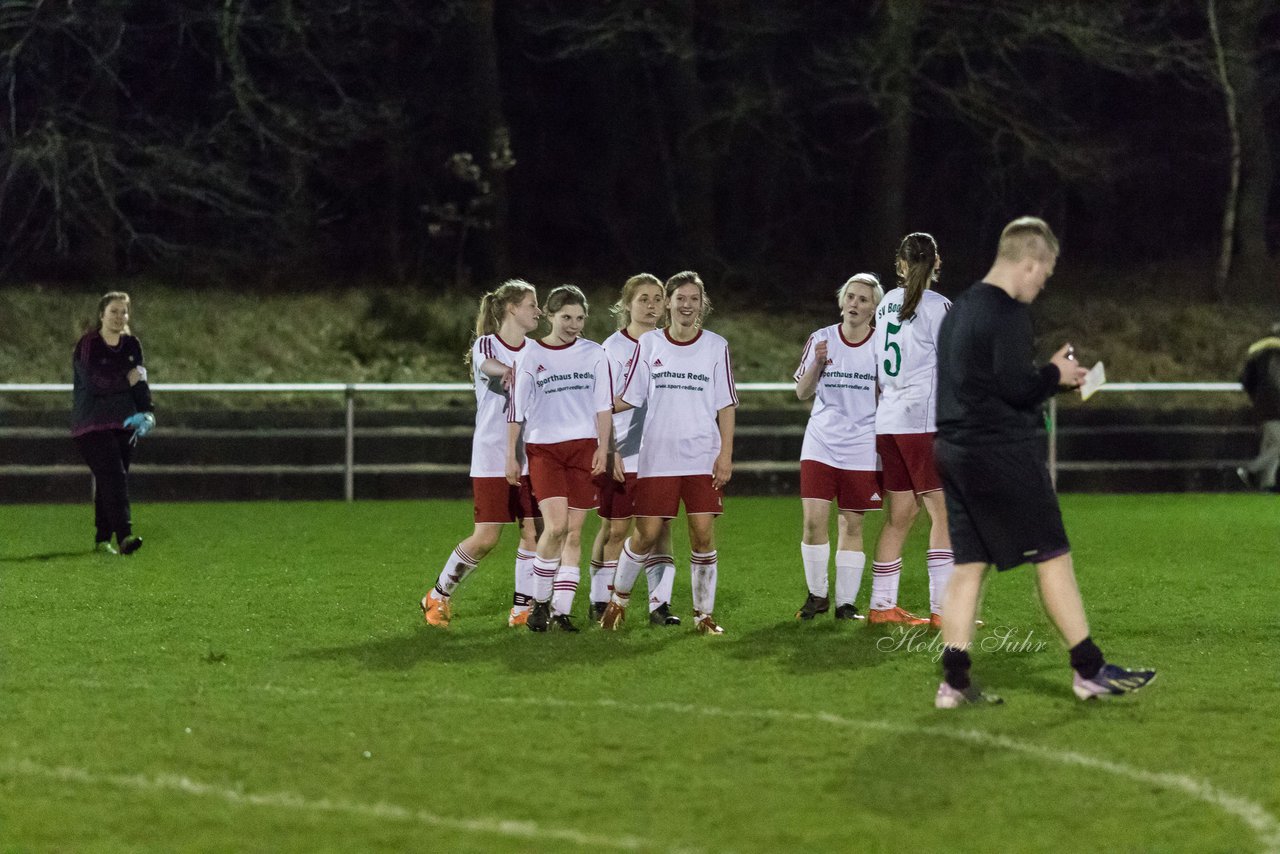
{"points": [[307, 140]]}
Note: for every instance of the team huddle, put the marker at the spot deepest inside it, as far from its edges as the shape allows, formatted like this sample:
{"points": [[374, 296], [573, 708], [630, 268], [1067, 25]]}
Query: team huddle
{"points": [[636, 426]]}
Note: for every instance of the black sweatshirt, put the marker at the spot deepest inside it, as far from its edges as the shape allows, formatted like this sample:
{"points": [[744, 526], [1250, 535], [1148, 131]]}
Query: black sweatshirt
{"points": [[989, 388], [101, 397]]}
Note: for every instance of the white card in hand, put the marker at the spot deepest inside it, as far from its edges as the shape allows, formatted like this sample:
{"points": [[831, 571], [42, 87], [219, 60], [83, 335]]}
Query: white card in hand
{"points": [[1094, 380]]}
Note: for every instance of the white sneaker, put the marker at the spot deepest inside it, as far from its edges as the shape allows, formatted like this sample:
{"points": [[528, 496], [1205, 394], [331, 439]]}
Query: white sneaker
{"points": [[950, 698]]}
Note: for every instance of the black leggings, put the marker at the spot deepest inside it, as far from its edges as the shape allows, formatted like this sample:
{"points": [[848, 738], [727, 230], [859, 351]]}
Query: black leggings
{"points": [[108, 452]]}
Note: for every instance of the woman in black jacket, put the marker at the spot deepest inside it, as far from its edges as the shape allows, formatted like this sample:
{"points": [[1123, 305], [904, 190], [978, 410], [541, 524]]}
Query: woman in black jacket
{"points": [[111, 408]]}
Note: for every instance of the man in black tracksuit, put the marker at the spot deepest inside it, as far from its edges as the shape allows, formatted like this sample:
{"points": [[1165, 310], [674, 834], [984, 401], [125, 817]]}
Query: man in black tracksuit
{"points": [[1001, 506]]}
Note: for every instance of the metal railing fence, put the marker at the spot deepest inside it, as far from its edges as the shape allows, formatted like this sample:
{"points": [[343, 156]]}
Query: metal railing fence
{"points": [[350, 390]]}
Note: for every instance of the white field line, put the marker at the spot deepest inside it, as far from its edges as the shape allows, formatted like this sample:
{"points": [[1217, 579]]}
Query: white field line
{"points": [[1264, 825], [526, 830]]}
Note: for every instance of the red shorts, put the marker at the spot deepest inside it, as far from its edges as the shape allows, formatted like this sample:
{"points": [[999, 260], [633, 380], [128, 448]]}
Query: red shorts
{"points": [[858, 491], [498, 502], [661, 496], [907, 462], [617, 499], [563, 470]]}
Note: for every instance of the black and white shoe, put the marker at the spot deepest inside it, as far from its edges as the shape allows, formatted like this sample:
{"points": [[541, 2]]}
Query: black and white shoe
{"points": [[596, 610], [848, 612], [662, 616]]}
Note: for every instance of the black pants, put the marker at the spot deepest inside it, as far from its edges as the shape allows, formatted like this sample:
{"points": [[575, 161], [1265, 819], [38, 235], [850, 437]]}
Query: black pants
{"points": [[108, 452]]}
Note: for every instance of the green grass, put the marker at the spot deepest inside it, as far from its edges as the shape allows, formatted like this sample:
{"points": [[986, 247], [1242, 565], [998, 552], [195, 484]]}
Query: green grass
{"points": [[257, 678]]}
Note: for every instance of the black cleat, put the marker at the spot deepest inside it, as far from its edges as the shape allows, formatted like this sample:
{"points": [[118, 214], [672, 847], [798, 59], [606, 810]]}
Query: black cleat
{"points": [[539, 616], [596, 610], [848, 612], [130, 545], [813, 606], [561, 622], [662, 616]]}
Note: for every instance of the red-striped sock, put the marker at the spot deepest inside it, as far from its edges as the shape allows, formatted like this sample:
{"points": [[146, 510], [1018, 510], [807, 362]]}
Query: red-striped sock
{"points": [[884, 584], [456, 569]]}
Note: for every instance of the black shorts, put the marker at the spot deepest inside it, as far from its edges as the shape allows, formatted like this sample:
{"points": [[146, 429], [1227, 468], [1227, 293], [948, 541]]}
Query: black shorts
{"points": [[1001, 505]]}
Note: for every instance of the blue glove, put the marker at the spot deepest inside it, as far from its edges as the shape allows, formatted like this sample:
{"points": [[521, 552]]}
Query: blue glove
{"points": [[141, 423]]}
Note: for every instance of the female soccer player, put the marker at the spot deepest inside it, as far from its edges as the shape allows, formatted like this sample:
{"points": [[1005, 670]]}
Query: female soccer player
{"points": [[685, 376], [563, 397], [506, 315], [639, 309], [838, 458], [906, 339], [110, 409]]}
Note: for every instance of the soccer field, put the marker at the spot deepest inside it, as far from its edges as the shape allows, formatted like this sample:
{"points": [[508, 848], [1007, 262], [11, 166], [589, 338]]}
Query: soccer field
{"points": [[258, 678]]}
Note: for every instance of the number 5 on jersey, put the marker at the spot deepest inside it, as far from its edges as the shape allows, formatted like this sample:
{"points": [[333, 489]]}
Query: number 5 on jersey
{"points": [[892, 329]]}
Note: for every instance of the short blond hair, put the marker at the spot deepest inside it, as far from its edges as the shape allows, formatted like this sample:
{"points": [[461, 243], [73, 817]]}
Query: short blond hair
{"points": [[1027, 235], [871, 280]]}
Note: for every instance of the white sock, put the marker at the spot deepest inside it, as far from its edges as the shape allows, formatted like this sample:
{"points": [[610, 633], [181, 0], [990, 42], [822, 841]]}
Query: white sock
{"points": [[660, 572], [815, 559], [703, 570], [524, 580], [629, 566], [456, 569], [544, 574], [884, 584], [566, 585], [849, 567], [941, 562], [602, 579]]}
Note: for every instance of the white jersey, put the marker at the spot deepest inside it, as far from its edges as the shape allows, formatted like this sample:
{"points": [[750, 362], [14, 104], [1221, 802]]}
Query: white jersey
{"points": [[684, 385], [489, 442], [627, 425], [559, 391], [907, 363], [842, 425]]}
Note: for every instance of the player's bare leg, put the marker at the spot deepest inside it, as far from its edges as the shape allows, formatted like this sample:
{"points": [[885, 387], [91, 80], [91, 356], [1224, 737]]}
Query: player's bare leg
{"points": [[850, 561], [604, 562], [522, 599], [815, 554], [555, 529], [703, 571], [631, 561], [462, 561], [901, 509], [940, 561], [660, 568], [961, 605]]}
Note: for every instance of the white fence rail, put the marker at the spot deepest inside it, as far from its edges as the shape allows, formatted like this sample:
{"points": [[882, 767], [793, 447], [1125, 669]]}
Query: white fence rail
{"points": [[350, 390]]}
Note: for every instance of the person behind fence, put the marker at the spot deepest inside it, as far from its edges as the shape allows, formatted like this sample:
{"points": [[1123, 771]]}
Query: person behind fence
{"points": [[1261, 381], [1001, 506], [110, 410]]}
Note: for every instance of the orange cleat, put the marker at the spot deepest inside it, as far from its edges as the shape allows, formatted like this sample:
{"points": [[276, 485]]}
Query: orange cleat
{"points": [[518, 617], [935, 621], [896, 615], [436, 611]]}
